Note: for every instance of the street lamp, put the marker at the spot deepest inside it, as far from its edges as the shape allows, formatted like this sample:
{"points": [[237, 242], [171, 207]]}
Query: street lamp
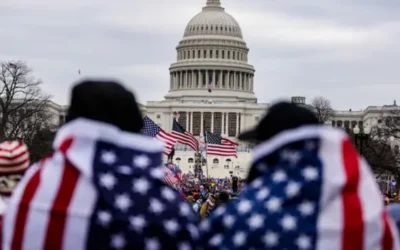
{"points": [[361, 137]]}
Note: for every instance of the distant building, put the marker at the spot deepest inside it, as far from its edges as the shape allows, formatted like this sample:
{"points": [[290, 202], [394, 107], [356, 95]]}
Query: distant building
{"points": [[212, 88]]}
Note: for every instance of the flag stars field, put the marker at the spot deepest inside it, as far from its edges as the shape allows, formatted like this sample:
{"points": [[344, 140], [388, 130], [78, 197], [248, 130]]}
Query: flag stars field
{"points": [[138, 223], [108, 157], [118, 241], [104, 218], [123, 202], [107, 181], [271, 239], [141, 161], [141, 186], [289, 223], [168, 194]]}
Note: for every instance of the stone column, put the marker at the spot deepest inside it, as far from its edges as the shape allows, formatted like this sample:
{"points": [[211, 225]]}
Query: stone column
{"points": [[237, 124], [187, 78], [201, 125], [227, 123], [220, 79], [192, 84], [180, 79], [234, 80], [214, 78], [207, 79], [212, 122], [223, 123], [246, 84], [227, 79], [191, 122], [187, 120], [252, 82], [200, 78]]}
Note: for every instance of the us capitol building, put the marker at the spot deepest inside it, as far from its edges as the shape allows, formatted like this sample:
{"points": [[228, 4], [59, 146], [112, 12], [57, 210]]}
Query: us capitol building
{"points": [[213, 51]]}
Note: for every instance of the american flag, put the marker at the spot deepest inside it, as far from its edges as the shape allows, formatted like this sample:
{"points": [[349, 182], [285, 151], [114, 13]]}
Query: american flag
{"points": [[307, 189], [216, 145], [153, 130], [101, 189], [184, 136], [170, 176]]}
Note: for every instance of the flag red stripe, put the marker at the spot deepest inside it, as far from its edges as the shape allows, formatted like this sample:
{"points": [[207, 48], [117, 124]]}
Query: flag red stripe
{"points": [[221, 150], [187, 139], [225, 141], [353, 230], [23, 208], [57, 220], [387, 239], [167, 139]]}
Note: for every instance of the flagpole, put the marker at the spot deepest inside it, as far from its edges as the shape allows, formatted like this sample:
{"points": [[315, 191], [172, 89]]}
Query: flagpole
{"points": [[207, 156], [205, 141]]}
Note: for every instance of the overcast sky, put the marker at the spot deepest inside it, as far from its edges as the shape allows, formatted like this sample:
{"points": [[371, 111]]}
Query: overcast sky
{"points": [[345, 50]]}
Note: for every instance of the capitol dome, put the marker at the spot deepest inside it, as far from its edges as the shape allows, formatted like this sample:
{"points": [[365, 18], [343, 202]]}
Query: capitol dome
{"points": [[212, 60], [213, 20]]}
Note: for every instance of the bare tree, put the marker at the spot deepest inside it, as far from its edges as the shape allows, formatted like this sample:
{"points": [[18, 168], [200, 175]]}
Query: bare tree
{"points": [[23, 105], [323, 109], [382, 150]]}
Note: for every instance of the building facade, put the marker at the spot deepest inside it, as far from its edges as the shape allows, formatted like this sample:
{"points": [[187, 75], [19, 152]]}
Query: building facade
{"points": [[212, 89]]}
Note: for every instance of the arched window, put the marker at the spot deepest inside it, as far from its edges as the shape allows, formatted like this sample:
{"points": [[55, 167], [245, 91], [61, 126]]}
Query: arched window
{"points": [[223, 54], [215, 161], [228, 160], [205, 54], [211, 53], [217, 54], [178, 159], [229, 55], [190, 160]]}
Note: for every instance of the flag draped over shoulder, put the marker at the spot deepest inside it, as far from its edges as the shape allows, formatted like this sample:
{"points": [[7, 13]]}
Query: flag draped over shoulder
{"points": [[217, 145], [307, 189], [184, 137], [101, 189], [153, 130]]}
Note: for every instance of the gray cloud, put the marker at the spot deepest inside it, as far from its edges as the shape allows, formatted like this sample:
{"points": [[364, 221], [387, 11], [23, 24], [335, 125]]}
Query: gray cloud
{"points": [[344, 50]]}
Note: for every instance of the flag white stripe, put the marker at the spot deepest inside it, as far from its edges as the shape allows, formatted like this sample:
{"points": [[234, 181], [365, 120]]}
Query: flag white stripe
{"points": [[9, 220], [372, 215], [77, 222], [331, 206], [43, 199]]}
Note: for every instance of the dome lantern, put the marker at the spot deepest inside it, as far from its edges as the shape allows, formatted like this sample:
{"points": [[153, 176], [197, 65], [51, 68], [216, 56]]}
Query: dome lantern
{"points": [[213, 3]]}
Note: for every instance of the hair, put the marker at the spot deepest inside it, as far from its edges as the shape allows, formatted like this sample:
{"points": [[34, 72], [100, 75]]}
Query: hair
{"points": [[223, 197]]}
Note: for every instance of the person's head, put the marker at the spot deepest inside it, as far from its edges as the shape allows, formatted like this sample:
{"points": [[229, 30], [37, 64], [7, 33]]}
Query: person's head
{"points": [[280, 116], [105, 101], [14, 161], [190, 199], [223, 197]]}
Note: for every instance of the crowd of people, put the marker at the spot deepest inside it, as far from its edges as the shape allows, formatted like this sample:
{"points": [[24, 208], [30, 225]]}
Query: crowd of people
{"points": [[103, 187]]}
